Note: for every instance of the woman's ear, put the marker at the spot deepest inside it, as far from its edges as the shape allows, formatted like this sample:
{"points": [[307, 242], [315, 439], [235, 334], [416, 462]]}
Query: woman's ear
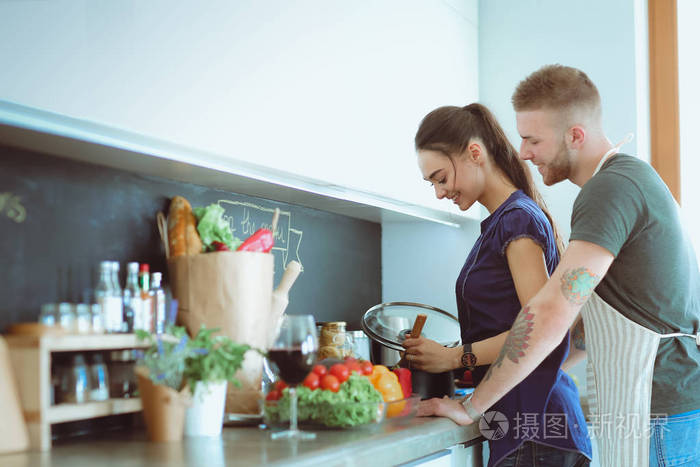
{"points": [[475, 152]]}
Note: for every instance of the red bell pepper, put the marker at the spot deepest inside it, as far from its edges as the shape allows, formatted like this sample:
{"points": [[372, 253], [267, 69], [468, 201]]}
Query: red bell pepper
{"points": [[261, 241], [219, 246], [404, 375]]}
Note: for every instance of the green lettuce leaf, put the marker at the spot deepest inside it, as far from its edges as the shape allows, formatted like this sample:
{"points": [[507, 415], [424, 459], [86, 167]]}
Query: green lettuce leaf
{"points": [[213, 228]]}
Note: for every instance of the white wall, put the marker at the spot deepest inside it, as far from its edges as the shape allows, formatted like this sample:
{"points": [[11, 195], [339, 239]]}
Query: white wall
{"points": [[516, 37], [689, 97], [421, 261], [332, 90]]}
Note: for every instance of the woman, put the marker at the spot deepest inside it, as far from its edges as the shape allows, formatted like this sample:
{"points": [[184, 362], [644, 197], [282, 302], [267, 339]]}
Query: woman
{"points": [[466, 156]]}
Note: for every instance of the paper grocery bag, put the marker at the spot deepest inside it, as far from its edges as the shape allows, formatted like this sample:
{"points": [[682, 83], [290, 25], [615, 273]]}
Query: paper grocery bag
{"points": [[13, 430], [231, 291]]}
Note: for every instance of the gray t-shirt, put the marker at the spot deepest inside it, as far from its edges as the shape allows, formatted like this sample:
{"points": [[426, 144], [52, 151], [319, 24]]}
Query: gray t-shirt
{"points": [[654, 280]]}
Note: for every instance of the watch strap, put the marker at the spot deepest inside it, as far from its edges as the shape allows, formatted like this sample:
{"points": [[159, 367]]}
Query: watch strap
{"points": [[471, 411], [468, 358]]}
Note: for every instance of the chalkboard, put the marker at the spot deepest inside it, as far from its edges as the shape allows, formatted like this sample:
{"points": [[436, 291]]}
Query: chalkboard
{"points": [[59, 218]]}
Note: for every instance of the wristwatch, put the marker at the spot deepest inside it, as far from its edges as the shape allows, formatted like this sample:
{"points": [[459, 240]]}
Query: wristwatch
{"points": [[471, 411], [468, 358]]}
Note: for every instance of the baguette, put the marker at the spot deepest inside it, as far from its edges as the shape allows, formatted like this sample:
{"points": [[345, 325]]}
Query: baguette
{"points": [[183, 238]]}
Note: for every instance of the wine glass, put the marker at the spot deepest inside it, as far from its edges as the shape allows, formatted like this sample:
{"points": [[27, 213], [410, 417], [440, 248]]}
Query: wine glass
{"points": [[294, 352]]}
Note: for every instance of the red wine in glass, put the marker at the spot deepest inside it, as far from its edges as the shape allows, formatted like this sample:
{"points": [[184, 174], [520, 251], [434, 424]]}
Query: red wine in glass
{"points": [[294, 353], [293, 363]]}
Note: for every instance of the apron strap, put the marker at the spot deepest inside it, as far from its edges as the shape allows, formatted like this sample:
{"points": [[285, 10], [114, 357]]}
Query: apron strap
{"points": [[682, 334]]}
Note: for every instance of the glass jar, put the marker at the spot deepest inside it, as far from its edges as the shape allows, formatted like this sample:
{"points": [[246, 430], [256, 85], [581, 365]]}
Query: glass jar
{"points": [[66, 317], [48, 315], [83, 318], [123, 381], [332, 340]]}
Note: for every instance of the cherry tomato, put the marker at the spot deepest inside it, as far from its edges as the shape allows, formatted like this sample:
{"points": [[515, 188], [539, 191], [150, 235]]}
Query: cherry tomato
{"points": [[340, 371], [350, 359], [273, 395], [280, 385], [354, 366], [312, 381], [320, 370], [366, 367], [330, 383]]}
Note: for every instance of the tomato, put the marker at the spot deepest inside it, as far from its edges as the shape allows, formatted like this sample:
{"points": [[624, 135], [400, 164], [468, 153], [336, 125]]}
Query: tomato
{"points": [[280, 385], [320, 370], [273, 395], [340, 371], [350, 359], [354, 366], [366, 367], [330, 383], [312, 381]]}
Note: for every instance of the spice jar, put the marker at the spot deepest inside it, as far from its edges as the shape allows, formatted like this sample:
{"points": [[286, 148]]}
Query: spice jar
{"points": [[332, 340]]}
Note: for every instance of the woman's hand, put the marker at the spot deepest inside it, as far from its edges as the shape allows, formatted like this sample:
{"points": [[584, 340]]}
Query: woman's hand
{"points": [[427, 355], [444, 407]]}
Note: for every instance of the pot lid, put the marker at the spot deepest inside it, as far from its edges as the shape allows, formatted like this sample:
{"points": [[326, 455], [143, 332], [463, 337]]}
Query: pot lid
{"points": [[389, 324]]}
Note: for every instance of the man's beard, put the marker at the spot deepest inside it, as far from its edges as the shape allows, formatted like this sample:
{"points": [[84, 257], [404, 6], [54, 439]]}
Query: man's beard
{"points": [[560, 167]]}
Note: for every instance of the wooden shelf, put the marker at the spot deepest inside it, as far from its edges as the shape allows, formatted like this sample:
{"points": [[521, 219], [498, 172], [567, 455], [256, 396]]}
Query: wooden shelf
{"points": [[31, 361], [70, 412], [77, 342]]}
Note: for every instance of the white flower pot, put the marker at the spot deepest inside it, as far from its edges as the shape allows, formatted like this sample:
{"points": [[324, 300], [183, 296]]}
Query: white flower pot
{"points": [[205, 417]]}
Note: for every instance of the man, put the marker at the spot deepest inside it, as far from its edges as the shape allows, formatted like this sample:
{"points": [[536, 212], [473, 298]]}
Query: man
{"points": [[642, 324]]}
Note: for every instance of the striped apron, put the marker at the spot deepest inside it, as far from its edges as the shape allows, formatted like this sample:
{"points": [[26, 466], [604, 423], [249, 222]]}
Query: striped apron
{"points": [[620, 369]]}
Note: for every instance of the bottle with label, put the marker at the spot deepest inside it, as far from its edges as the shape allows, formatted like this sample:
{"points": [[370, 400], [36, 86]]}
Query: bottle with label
{"points": [[104, 296], [133, 309], [158, 302], [117, 324], [146, 302]]}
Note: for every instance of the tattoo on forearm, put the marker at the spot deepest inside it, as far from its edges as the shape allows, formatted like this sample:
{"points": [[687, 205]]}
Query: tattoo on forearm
{"points": [[579, 336], [578, 284], [516, 341]]}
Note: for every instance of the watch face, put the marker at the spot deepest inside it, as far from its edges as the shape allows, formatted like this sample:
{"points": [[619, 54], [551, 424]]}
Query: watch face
{"points": [[468, 359]]}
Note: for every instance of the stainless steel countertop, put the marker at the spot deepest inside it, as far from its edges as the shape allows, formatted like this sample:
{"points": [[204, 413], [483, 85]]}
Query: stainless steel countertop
{"points": [[388, 444]]}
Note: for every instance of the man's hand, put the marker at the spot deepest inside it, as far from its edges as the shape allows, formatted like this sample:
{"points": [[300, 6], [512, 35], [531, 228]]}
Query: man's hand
{"points": [[444, 407], [427, 355]]}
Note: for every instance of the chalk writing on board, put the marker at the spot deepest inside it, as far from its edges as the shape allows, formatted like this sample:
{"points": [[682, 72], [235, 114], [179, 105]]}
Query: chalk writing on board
{"points": [[246, 218], [11, 207]]}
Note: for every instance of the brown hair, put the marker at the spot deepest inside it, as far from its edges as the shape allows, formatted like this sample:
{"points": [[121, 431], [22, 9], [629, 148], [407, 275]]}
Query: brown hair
{"points": [[449, 130], [556, 87]]}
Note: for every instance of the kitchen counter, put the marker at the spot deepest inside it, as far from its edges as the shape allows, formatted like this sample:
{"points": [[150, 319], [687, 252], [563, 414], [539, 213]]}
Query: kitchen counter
{"points": [[390, 444]]}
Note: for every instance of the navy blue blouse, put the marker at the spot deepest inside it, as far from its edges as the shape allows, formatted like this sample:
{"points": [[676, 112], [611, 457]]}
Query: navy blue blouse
{"points": [[545, 406]]}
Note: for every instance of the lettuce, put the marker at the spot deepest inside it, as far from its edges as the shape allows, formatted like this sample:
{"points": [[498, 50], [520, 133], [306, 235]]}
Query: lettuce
{"points": [[213, 228], [355, 403]]}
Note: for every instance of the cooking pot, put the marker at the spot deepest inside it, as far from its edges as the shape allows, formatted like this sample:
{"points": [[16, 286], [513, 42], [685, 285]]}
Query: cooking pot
{"points": [[386, 325]]}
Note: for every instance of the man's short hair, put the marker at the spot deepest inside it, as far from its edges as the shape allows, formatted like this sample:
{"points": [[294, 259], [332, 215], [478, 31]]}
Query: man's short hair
{"points": [[559, 88]]}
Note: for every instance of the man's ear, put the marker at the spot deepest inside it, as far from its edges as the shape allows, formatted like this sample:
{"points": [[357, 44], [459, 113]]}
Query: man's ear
{"points": [[576, 136]]}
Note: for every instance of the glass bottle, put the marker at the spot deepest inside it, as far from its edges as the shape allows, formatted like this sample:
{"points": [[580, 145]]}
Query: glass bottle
{"points": [[66, 317], [133, 312], [98, 326], [146, 302], [118, 324], [103, 293], [74, 381], [158, 302], [99, 380]]}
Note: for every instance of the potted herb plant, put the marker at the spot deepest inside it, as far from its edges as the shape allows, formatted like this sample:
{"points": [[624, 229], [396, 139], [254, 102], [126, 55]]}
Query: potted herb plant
{"points": [[208, 369], [160, 371]]}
